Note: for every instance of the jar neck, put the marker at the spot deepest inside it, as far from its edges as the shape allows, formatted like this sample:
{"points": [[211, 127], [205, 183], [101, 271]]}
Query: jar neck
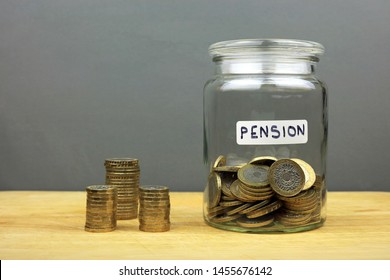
{"points": [[269, 65]]}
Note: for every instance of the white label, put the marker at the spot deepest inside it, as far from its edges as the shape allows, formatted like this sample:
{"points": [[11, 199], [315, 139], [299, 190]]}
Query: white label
{"points": [[271, 132]]}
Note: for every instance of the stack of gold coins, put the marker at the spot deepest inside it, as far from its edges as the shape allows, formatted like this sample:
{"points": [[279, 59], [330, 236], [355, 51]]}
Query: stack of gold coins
{"points": [[101, 208], [124, 173], [300, 209], [154, 208]]}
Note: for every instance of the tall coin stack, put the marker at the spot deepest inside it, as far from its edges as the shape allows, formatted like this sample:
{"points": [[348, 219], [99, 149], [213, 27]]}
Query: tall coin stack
{"points": [[101, 208], [124, 173], [154, 209]]}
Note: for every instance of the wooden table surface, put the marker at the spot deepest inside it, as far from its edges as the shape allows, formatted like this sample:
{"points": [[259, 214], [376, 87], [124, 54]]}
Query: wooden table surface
{"points": [[50, 225]]}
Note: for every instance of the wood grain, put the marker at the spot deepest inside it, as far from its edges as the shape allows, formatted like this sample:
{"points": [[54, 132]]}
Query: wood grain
{"points": [[50, 225]]}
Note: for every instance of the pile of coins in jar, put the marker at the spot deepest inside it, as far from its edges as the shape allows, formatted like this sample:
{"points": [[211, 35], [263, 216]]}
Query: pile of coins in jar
{"points": [[264, 192], [121, 198]]}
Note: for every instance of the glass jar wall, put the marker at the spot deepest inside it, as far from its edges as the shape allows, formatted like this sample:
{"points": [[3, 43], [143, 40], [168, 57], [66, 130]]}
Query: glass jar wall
{"points": [[265, 137]]}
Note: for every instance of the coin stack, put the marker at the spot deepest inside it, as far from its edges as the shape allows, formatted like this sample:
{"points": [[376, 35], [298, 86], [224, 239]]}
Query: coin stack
{"points": [[101, 208], [124, 173], [263, 192], [298, 210], [154, 208]]}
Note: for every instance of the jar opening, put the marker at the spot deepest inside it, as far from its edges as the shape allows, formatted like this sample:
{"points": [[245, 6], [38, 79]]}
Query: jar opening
{"points": [[257, 48]]}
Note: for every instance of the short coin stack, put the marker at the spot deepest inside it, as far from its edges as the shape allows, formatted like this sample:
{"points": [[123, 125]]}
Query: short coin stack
{"points": [[124, 173], [154, 208], [101, 208], [298, 210]]}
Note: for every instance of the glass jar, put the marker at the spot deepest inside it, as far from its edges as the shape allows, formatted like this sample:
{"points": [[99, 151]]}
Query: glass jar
{"points": [[265, 137]]}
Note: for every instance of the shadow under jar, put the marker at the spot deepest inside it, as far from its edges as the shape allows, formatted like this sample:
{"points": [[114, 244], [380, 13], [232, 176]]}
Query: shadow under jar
{"points": [[265, 137]]}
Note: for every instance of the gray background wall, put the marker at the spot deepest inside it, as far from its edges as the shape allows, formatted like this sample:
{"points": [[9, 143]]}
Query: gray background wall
{"points": [[83, 80]]}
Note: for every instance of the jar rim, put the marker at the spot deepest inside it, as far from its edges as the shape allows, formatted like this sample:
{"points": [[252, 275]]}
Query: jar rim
{"points": [[256, 47]]}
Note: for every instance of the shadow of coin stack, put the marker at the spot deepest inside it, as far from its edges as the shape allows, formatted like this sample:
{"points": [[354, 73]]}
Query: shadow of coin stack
{"points": [[101, 208], [124, 174], [154, 208]]}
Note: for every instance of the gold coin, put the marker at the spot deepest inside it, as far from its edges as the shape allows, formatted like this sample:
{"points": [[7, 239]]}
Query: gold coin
{"points": [[220, 161], [155, 202], [155, 224], [236, 191], [303, 222], [225, 218], [227, 198], [123, 184], [264, 189], [218, 210], [237, 209], [154, 189], [248, 192], [310, 175], [226, 190], [157, 218], [155, 207], [287, 177], [319, 180], [153, 220], [287, 215], [302, 208], [99, 229], [127, 210], [263, 160], [102, 193], [121, 162], [230, 203], [95, 205], [254, 175], [299, 198], [122, 176], [121, 211], [134, 172], [100, 224], [133, 196], [126, 216], [154, 229], [259, 197], [214, 191], [100, 219], [154, 212], [302, 202], [101, 201], [255, 222], [273, 206], [227, 168], [154, 194], [255, 206], [100, 189]]}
